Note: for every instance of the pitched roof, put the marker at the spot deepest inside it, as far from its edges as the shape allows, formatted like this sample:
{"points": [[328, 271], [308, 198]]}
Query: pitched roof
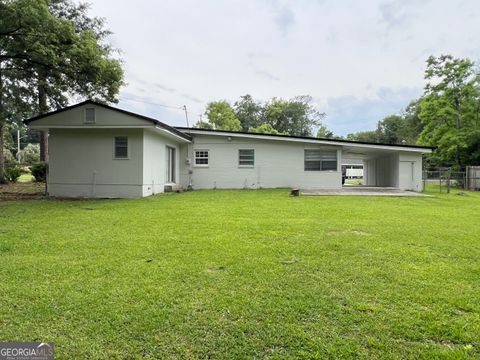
{"points": [[91, 102]]}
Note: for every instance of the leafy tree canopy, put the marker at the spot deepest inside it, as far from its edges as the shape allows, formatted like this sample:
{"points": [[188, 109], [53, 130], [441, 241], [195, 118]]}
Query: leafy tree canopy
{"points": [[267, 129], [450, 110], [297, 116], [221, 116], [52, 51]]}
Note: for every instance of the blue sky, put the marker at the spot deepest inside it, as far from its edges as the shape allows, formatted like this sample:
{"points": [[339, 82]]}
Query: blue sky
{"points": [[359, 60]]}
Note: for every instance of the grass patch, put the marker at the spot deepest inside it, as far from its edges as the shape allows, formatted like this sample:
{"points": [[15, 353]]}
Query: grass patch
{"points": [[25, 178], [244, 274]]}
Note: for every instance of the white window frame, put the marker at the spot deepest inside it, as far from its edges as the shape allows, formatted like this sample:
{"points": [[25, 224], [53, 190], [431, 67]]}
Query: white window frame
{"points": [[246, 165], [94, 116], [115, 145], [195, 157], [321, 161]]}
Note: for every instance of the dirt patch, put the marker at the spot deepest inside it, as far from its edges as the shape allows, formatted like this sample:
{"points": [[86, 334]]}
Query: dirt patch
{"points": [[215, 268], [22, 191]]}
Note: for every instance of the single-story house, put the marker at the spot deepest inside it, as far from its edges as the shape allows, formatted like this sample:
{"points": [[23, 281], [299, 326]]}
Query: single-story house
{"points": [[97, 150]]}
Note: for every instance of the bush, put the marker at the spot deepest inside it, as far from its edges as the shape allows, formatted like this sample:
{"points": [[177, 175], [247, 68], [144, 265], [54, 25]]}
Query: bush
{"points": [[39, 171], [12, 173], [30, 154]]}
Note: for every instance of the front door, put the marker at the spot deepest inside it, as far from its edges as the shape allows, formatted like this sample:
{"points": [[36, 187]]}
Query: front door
{"points": [[170, 164]]}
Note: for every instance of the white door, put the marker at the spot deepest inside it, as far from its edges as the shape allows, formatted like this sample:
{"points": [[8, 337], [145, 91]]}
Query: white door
{"points": [[406, 175]]}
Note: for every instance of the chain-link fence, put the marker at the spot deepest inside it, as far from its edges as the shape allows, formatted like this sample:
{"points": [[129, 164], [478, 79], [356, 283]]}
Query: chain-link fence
{"points": [[444, 179]]}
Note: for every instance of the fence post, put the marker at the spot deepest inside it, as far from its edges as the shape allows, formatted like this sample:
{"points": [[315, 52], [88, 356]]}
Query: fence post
{"points": [[440, 179], [449, 176]]}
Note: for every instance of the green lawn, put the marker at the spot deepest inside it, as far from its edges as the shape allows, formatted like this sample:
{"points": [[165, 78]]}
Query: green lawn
{"points": [[243, 274]]}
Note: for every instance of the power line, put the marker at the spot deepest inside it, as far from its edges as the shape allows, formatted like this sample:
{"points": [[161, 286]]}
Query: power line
{"points": [[151, 103], [182, 108]]}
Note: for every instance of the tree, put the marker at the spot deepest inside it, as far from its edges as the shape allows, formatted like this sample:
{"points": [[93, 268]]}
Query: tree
{"points": [[52, 51], [404, 128], [450, 110], [221, 116], [296, 116], [249, 112], [365, 136], [266, 129], [323, 132], [200, 124], [30, 154], [413, 126]]}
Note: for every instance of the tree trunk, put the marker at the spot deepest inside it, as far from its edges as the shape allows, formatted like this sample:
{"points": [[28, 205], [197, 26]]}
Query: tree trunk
{"points": [[2, 155], [2, 129], [43, 109], [458, 126]]}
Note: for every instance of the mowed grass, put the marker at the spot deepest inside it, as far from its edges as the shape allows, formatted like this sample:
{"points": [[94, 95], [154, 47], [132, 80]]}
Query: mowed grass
{"points": [[243, 274]]}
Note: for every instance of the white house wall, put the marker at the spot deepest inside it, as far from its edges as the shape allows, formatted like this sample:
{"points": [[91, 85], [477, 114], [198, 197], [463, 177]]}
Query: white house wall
{"points": [[402, 170], [155, 162], [82, 163], [277, 164]]}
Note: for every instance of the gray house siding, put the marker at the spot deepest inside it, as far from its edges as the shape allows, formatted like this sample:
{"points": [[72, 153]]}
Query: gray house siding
{"points": [[155, 162], [277, 164], [82, 163]]}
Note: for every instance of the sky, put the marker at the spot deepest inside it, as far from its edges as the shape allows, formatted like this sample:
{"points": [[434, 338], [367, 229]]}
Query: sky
{"points": [[359, 60]]}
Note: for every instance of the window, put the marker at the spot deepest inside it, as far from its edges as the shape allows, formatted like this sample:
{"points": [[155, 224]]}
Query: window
{"points": [[246, 157], [121, 147], [320, 160], [201, 157], [90, 116]]}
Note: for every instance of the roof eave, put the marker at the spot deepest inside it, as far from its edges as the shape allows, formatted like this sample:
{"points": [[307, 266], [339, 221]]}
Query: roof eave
{"points": [[399, 147]]}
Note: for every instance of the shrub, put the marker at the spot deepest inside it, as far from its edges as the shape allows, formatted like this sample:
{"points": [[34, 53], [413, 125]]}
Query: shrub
{"points": [[39, 171], [12, 173], [9, 158], [30, 154]]}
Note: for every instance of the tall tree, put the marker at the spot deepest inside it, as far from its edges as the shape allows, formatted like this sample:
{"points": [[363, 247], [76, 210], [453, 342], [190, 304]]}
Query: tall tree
{"points": [[249, 112], [450, 109], [296, 116], [221, 115], [57, 52]]}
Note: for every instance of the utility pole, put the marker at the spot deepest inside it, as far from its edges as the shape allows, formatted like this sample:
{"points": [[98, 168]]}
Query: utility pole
{"points": [[186, 114], [18, 145]]}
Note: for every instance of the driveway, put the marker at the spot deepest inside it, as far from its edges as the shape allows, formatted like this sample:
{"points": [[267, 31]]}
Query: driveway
{"points": [[363, 191]]}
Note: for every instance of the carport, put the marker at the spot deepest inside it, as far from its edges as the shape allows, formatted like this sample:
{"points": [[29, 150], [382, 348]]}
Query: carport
{"points": [[389, 166]]}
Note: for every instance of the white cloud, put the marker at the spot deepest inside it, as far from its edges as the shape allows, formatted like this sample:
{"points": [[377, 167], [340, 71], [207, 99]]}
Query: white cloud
{"points": [[359, 59]]}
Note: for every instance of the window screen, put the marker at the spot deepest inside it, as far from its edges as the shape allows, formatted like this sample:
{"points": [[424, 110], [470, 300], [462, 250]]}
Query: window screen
{"points": [[90, 116], [121, 147], [201, 157], [320, 160], [246, 157]]}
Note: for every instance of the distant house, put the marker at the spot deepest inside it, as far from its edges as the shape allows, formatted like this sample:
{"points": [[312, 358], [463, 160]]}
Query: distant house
{"points": [[100, 151]]}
